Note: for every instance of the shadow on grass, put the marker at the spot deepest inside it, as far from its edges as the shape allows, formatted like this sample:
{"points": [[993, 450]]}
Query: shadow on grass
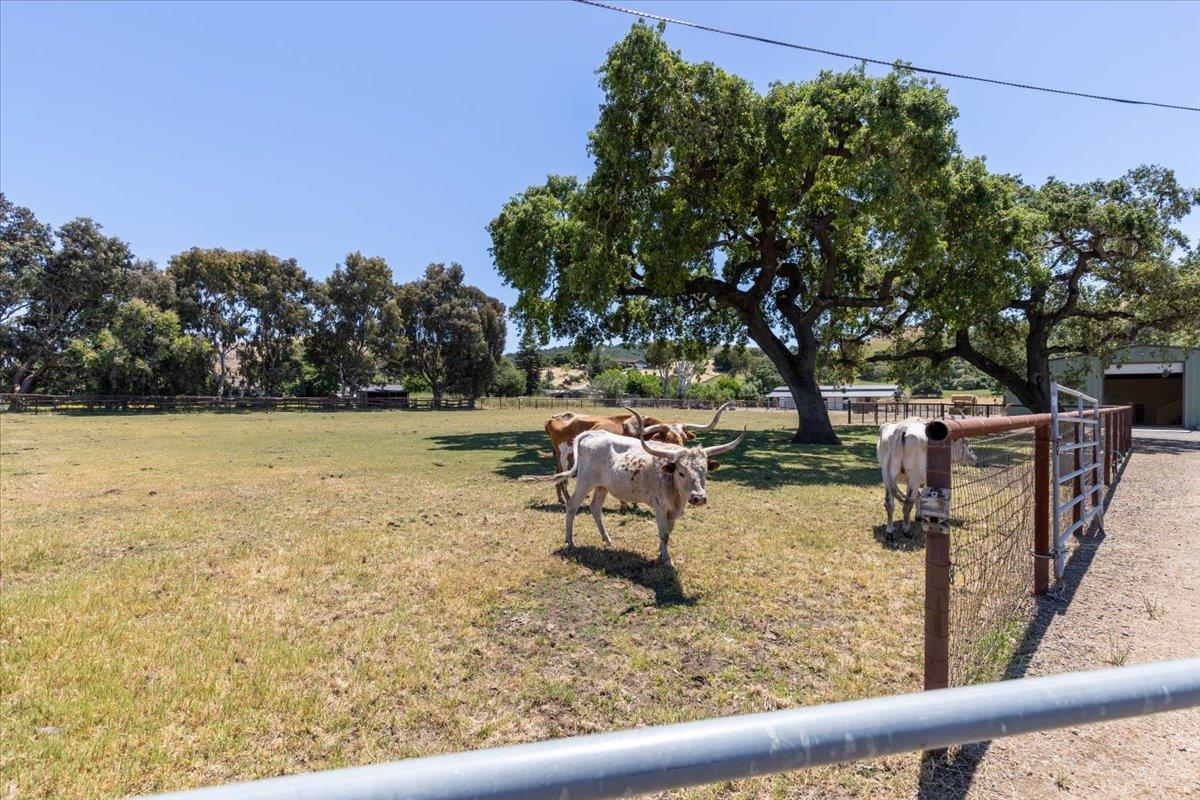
{"points": [[905, 543], [950, 777], [585, 510], [633, 567], [768, 459]]}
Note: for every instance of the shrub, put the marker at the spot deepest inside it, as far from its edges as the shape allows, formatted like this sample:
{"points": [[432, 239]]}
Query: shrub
{"points": [[509, 380], [610, 383], [641, 384], [720, 390]]}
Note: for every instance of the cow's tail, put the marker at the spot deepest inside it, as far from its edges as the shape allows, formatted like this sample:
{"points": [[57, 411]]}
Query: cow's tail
{"points": [[891, 477], [556, 477], [543, 454]]}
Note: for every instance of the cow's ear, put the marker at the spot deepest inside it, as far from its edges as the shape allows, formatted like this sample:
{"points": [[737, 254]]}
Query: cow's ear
{"points": [[713, 465], [669, 466]]}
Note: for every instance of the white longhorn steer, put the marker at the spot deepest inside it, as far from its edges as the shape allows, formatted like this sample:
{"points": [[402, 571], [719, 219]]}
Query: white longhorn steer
{"points": [[666, 477], [901, 450]]}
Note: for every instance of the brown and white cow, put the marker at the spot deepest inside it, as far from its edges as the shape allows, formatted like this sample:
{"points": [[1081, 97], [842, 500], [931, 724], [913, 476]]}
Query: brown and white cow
{"points": [[666, 477], [565, 427]]}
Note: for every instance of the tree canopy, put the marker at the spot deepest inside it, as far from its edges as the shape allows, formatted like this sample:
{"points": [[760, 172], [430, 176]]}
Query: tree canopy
{"points": [[141, 351], [54, 288], [357, 325], [716, 212], [1096, 266], [454, 333]]}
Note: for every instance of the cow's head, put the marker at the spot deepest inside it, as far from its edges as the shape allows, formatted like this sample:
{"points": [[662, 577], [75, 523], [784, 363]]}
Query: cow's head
{"points": [[688, 466], [961, 453], [679, 433], [960, 449]]}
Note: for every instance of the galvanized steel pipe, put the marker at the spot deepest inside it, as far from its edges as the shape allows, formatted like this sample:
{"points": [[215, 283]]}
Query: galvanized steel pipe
{"points": [[672, 756]]}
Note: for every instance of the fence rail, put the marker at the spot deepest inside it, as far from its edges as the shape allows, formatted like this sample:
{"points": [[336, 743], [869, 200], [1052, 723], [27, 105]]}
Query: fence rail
{"points": [[36, 403], [689, 754], [855, 412], [877, 413], [560, 403], [985, 523]]}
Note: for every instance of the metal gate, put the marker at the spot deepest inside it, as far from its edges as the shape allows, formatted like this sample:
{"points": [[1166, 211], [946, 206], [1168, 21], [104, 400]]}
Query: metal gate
{"points": [[1078, 490]]}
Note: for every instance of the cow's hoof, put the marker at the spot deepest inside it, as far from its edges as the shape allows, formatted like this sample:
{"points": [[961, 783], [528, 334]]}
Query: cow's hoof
{"points": [[888, 536], [908, 533]]}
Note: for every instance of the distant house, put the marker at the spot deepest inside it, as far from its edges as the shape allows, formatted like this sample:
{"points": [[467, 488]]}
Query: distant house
{"points": [[836, 397], [634, 363], [564, 393]]}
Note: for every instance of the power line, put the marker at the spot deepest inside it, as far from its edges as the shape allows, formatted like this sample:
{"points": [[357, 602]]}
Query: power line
{"points": [[836, 54]]}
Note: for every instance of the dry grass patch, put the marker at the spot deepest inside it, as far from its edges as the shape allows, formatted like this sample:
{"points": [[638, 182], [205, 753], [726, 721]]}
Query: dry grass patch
{"points": [[192, 599]]}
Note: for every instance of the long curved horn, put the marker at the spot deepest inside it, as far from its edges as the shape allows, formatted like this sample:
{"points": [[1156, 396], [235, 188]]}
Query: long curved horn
{"points": [[697, 428], [642, 437], [716, 450], [653, 429]]}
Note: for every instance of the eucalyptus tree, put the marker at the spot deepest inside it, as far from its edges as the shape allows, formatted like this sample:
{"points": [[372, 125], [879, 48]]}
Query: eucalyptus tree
{"points": [[453, 333], [55, 289], [279, 294], [213, 301], [354, 330], [714, 212]]}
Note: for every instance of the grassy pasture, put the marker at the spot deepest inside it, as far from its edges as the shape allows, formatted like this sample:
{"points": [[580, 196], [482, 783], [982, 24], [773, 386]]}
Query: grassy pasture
{"points": [[193, 599]]}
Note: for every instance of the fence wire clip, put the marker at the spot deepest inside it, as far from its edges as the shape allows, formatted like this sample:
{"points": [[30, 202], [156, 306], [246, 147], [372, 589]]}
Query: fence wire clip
{"points": [[1053, 554]]}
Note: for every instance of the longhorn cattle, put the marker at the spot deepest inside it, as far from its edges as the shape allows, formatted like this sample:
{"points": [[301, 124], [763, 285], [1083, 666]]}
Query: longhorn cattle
{"points": [[666, 477], [901, 450], [565, 427]]}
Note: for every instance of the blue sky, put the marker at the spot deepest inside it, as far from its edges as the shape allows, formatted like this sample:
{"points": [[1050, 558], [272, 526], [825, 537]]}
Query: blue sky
{"points": [[312, 130]]}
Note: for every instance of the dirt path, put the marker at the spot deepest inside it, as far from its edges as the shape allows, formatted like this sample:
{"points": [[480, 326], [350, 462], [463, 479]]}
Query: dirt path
{"points": [[1132, 595]]}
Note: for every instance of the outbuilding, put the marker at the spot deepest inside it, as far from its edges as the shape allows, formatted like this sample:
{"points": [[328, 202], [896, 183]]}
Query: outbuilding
{"points": [[386, 391], [1161, 383], [837, 397]]}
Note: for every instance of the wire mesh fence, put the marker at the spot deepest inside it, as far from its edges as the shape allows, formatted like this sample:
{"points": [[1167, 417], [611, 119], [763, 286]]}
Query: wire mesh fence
{"points": [[992, 528]]}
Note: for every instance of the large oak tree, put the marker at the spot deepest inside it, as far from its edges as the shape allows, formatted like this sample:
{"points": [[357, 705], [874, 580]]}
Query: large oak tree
{"points": [[715, 212], [1097, 266]]}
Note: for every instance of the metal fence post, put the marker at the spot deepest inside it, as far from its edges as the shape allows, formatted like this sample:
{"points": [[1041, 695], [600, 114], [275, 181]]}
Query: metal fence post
{"points": [[1041, 510], [935, 520], [1108, 447], [1077, 484]]}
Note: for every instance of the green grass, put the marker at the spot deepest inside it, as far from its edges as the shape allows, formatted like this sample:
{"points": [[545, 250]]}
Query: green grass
{"points": [[194, 599]]}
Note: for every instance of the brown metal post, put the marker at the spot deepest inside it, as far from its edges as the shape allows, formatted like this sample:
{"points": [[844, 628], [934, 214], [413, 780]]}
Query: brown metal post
{"points": [[937, 570], [1041, 510]]}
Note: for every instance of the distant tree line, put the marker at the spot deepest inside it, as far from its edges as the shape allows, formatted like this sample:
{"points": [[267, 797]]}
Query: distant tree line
{"points": [[80, 313]]}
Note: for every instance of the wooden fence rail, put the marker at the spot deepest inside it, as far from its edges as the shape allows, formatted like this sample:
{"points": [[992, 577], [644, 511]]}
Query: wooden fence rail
{"points": [[878, 413], [855, 412], [35, 403]]}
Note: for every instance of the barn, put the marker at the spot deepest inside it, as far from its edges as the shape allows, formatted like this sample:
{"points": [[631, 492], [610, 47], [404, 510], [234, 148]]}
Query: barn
{"points": [[1161, 383], [836, 397]]}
